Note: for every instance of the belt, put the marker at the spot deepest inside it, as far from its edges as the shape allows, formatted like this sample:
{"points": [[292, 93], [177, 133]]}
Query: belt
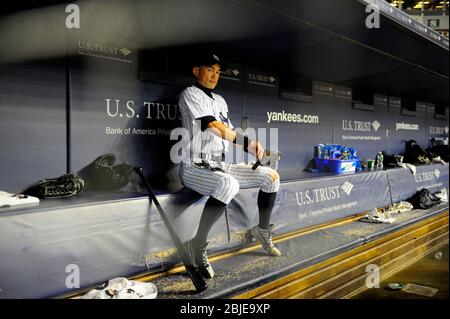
{"points": [[212, 158], [215, 158], [206, 165]]}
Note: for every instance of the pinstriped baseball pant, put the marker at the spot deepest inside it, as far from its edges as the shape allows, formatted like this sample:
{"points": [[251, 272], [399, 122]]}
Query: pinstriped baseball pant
{"points": [[224, 186]]}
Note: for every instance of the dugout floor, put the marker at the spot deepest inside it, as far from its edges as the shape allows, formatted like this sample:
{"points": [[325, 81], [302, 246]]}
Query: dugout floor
{"points": [[250, 268]]}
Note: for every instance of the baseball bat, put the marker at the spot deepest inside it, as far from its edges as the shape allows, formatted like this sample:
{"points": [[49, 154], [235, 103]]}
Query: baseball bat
{"points": [[255, 166], [191, 268]]}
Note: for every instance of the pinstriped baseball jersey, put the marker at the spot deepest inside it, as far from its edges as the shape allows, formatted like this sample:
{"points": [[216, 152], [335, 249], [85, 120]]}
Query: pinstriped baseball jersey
{"points": [[194, 104], [221, 184]]}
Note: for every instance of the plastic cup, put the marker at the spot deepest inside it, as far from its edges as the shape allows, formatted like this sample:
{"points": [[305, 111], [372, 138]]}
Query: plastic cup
{"points": [[370, 164]]}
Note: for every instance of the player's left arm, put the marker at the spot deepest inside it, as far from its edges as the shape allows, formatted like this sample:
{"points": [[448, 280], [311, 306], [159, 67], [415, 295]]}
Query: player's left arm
{"points": [[225, 132], [217, 128]]}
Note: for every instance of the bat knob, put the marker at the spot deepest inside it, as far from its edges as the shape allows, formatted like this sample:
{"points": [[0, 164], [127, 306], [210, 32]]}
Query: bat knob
{"points": [[138, 169]]}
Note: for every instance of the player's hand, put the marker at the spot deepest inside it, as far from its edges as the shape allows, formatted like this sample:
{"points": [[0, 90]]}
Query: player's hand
{"points": [[255, 148]]}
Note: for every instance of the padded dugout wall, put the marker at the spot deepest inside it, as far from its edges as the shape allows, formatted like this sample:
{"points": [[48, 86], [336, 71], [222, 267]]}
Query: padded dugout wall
{"points": [[32, 123], [34, 114]]}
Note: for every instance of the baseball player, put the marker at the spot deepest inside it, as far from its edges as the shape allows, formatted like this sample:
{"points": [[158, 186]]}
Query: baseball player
{"points": [[205, 115]]}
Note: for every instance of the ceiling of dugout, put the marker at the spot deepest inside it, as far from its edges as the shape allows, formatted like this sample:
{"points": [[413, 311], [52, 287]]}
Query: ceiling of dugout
{"points": [[325, 40]]}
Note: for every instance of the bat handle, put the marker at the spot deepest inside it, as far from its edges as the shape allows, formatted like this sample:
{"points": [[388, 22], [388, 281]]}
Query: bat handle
{"points": [[255, 166]]}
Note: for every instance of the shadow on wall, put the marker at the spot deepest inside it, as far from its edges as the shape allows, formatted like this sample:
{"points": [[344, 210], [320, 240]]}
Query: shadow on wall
{"points": [[148, 143]]}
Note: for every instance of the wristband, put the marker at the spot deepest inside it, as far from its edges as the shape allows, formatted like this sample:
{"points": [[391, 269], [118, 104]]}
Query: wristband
{"points": [[205, 120], [244, 138]]}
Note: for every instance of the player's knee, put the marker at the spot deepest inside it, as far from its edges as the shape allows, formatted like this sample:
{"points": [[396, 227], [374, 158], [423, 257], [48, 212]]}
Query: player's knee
{"points": [[276, 184], [229, 184], [272, 181], [274, 175], [234, 185]]}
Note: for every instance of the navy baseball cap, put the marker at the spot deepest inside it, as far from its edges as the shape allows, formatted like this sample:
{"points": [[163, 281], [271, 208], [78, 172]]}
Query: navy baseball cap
{"points": [[210, 59]]}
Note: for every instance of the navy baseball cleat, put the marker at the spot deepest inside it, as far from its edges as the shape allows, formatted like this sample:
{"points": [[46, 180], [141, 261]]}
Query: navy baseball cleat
{"points": [[198, 252], [264, 236]]}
